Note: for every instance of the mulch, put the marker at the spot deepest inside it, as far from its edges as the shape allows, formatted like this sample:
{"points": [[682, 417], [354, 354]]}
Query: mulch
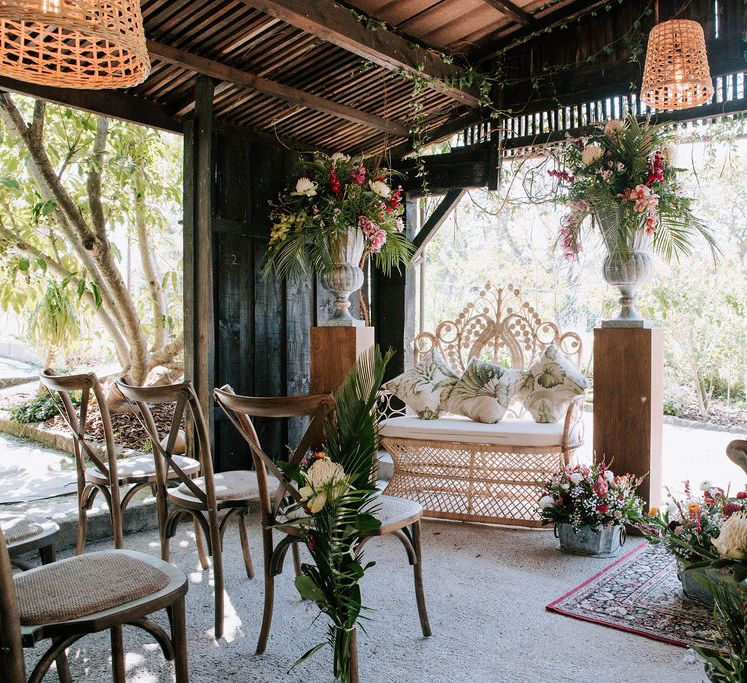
{"points": [[127, 430]]}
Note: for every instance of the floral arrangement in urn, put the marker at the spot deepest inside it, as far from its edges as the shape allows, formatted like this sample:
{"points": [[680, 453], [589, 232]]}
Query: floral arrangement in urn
{"points": [[340, 213], [624, 177], [589, 506]]}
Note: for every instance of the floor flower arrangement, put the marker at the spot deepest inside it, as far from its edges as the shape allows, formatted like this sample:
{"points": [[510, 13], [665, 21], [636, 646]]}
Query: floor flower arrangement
{"points": [[338, 509]]}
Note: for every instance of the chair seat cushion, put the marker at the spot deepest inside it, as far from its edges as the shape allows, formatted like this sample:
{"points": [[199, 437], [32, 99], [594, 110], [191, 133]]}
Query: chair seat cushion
{"points": [[145, 466], [81, 586], [459, 429], [395, 512], [235, 485], [18, 528]]}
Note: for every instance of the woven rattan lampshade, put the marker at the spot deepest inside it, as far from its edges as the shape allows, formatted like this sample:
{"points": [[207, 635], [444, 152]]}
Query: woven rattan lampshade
{"points": [[676, 75], [73, 43]]}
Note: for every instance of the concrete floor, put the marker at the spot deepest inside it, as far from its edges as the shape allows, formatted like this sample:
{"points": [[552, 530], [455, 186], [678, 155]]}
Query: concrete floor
{"points": [[486, 589]]}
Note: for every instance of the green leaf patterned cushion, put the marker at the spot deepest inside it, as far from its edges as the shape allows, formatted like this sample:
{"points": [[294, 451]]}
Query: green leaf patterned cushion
{"points": [[484, 392], [549, 385], [426, 387]]}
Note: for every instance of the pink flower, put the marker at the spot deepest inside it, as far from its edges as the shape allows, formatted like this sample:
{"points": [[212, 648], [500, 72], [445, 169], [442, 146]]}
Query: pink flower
{"points": [[401, 228], [377, 240], [368, 226], [359, 175]]}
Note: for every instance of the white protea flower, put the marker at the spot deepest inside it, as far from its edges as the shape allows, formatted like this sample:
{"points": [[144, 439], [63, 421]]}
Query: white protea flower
{"points": [[609, 475], [325, 480], [339, 156], [705, 485], [546, 502], [732, 538], [380, 188], [590, 154], [305, 186], [612, 128], [577, 477]]}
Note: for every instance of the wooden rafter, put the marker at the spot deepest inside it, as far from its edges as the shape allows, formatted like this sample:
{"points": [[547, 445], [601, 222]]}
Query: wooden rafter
{"points": [[113, 103], [512, 10], [336, 24], [246, 79]]}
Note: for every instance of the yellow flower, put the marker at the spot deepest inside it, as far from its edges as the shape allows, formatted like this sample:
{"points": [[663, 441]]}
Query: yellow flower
{"points": [[693, 508], [653, 512], [279, 232]]}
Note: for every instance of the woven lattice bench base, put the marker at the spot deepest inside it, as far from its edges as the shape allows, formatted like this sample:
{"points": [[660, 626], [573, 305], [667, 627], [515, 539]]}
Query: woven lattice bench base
{"points": [[473, 482]]}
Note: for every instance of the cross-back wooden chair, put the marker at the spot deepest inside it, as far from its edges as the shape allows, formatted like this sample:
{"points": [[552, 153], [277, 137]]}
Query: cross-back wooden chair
{"points": [[25, 535], [211, 499], [398, 517], [101, 591], [107, 474]]}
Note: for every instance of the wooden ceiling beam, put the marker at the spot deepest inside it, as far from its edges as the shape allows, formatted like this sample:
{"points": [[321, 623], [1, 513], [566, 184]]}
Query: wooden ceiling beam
{"points": [[246, 79], [337, 25], [511, 10], [112, 103]]}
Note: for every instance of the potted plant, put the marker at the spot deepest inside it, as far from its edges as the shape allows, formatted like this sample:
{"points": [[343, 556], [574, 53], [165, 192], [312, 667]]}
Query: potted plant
{"points": [[707, 534], [623, 177], [340, 213], [589, 507]]}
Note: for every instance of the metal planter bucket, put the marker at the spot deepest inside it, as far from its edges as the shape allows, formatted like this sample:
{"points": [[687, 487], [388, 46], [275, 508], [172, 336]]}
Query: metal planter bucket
{"points": [[692, 587], [601, 541]]}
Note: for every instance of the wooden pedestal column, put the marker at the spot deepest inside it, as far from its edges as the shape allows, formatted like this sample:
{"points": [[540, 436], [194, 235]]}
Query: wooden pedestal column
{"points": [[334, 351], [628, 404]]}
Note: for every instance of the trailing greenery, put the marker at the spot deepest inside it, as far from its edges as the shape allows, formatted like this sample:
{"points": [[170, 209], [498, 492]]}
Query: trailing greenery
{"points": [[38, 409]]}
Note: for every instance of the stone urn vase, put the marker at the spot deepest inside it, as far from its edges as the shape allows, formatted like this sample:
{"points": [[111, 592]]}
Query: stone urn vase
{"points": [[627, 267], [344, 277], [601, 541]]}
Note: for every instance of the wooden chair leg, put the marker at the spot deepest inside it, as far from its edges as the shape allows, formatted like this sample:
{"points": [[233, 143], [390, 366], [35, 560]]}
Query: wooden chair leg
{"points": [[80, 543], [178, 621], [264, 632], [200, 543], [354, 666], [296, 558], [63, 668], [245, 549], [162, 512], [418, 572], [115, 511], [47, 554], [217, 555], [118, 655]]}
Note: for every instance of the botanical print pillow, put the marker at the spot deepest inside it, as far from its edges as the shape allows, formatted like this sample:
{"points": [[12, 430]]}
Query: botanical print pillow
{"points": [[549, 385], [484, 392], [426, 387]]}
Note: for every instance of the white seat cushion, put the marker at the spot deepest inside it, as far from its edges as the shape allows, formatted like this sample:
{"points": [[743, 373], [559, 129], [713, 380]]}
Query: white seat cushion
{"points": [[236, 485], [460, 429]]}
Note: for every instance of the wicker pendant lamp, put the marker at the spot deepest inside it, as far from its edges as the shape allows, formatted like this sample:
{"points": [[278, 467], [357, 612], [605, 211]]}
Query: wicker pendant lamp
{"points": [[73, 43], [676, 75]]}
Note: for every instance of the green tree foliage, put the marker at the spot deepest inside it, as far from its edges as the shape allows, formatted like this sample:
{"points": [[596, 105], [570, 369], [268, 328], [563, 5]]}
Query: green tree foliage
{"points": [[80, 195]]}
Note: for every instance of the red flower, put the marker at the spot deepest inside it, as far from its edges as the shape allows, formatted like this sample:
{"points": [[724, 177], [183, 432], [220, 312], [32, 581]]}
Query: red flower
{"points": [[742, 495], [602, 508], [359, 175], [334, 181], [730, 509]]}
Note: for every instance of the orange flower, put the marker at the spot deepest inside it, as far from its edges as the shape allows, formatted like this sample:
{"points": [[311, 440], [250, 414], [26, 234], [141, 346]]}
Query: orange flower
{"points": [[653, 512], [693, 508]]}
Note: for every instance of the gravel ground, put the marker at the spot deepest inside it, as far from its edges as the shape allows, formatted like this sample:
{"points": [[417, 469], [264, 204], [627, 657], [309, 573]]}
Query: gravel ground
{"points": [[486, 589]]}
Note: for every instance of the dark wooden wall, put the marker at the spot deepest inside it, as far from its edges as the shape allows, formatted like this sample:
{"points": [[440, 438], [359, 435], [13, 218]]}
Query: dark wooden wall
{"points": [[252, 332]]}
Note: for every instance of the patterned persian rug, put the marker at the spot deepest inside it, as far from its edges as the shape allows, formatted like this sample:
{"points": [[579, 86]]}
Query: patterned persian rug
{"points": [[640, 593]]}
